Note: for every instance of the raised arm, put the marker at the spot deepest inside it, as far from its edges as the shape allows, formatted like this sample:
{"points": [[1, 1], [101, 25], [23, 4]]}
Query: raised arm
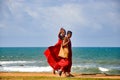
{"points": [[60, 34]]}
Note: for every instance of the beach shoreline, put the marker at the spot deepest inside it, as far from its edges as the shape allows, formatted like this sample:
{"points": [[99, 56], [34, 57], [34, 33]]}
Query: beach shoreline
{"points": [[48, 74]]}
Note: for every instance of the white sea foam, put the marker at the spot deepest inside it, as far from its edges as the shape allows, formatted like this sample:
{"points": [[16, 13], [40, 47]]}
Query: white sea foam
{"points": [[84, 66], [26, 69], [14, 62], [103, 69]]}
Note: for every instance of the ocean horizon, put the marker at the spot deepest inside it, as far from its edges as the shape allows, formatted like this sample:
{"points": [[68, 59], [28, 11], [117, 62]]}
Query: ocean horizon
{"points": [[89, 60]]}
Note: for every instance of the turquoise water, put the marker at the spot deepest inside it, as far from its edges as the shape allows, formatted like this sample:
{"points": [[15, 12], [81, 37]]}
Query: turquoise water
{"points": [[85, 59]]}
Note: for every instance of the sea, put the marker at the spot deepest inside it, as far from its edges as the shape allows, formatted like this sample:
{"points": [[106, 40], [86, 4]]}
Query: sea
{"points": [[85, 60]]}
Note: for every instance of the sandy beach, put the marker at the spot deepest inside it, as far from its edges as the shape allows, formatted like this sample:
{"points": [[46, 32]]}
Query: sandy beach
{"points": [[46, 74]]}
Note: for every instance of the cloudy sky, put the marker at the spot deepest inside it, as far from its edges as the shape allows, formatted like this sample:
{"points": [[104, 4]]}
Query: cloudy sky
{"points": [[35, 23]]}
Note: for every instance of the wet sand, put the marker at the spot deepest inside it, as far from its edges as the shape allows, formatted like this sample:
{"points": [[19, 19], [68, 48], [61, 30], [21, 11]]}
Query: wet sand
{"points": [[46, 74]]}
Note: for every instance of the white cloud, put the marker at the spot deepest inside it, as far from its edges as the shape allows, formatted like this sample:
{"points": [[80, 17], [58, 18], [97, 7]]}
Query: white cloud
{"points": [[13, 6], [68, 14], [82, 17], [32, 13]]}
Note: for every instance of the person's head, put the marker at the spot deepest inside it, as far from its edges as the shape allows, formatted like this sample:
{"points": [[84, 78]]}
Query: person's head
{"points": [[63, 32], [69, 34]]}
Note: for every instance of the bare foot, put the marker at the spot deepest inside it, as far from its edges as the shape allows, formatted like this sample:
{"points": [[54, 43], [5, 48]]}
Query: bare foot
{"points": [[54, 72], [70, 75], [60, 72]]}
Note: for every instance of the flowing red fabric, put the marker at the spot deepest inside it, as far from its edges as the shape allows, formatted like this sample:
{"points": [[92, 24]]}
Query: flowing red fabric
{"points": [[51, 54], [55, 61]]}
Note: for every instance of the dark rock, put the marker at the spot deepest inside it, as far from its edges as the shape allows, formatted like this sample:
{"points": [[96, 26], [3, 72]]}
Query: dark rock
{"points": [[21, 65]]}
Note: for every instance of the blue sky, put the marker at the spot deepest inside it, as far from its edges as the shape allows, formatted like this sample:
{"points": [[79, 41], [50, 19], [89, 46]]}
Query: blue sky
{"points": [[35, 23]]}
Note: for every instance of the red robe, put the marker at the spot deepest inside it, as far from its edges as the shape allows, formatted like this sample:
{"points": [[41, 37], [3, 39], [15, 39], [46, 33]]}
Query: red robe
{"points": [[68, 68], [56, 62], [51, 54], [67, 62]]}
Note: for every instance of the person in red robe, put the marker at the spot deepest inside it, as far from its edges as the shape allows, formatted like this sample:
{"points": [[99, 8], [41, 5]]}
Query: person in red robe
{"points": [[66, 63], [51, 52]]}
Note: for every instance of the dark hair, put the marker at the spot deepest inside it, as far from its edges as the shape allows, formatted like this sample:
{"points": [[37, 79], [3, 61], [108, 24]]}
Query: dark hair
{"points": [[69, 32], [61, 36]]}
